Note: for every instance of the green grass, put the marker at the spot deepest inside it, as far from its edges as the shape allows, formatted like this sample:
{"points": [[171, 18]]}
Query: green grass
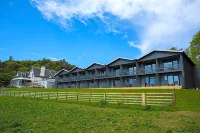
{"points": [[34, 115], [187, 100], [87, 90]]}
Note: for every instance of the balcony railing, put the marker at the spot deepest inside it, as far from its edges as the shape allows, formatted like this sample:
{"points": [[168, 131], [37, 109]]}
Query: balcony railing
{"points": [[126, 73], [168, 68], [146, 71]]}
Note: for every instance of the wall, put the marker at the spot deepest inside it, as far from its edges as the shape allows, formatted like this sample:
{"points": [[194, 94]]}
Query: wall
{"points": [[197, 75], [188, 76]]}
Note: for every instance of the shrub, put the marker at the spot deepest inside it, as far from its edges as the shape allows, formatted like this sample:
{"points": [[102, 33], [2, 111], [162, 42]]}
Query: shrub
{"points": [[103, 102]]}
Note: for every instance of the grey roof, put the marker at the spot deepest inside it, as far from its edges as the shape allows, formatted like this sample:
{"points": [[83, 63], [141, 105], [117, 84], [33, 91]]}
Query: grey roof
{"points": [[48, 73], [60, 72], [22, 74]]}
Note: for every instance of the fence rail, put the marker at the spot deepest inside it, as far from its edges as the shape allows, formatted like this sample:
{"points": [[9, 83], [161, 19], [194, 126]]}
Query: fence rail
{"points": [[144, 99]]}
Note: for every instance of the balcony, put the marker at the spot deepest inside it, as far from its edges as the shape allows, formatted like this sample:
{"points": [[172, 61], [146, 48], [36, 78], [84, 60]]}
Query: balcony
{"points": [[113, 74], [169, 68], [100, 76], [127, 73], [146, 71]]}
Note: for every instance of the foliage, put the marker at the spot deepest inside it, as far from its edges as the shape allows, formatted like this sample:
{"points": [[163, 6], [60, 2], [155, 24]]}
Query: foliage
{"points": [[103, 102], [9, 68], [194, 50], [176, 49]]}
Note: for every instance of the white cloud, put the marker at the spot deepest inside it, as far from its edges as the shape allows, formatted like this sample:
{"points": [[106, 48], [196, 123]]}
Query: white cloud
{"points": [[42, 56], [163, 23]]}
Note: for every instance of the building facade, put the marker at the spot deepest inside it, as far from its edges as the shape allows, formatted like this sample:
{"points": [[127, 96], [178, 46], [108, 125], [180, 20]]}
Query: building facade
{"points": [[36, 77], [158, 68]]}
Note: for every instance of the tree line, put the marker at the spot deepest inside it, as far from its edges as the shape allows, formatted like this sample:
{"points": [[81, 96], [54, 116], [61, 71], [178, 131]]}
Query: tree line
{"points": [[10, 67], [193, 51]]}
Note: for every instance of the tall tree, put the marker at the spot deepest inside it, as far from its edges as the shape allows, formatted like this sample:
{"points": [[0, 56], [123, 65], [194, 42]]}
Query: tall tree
{"points": [[194, 50]]}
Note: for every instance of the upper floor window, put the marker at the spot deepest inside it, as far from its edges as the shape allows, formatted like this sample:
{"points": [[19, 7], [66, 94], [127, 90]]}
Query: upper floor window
{"points": [[117, 71], [102, 72], [171, 65], [150, 68]]}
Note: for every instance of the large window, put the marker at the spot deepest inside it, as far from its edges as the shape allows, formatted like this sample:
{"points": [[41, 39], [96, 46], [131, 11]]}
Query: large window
{"points": [[150, 68], [149, 81], [117, 72], [171, 65], [134, 70], [172, 80], [130, 70]]}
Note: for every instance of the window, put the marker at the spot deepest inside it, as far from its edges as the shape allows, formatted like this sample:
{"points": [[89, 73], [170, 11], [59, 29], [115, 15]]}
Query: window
{"points": [[102, 72], [171, 65], [117, 72], [150, 68], [130, 82], [176, 80], [149, 81], [130, 70], [172, 80], [147, 68], [134, 70]]}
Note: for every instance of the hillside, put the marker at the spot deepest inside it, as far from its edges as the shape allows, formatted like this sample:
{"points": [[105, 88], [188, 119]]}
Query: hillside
{"points": [[9, 68]]}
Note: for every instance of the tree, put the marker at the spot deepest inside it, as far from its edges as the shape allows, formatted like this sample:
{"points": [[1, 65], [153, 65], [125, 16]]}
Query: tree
{"points": [[11, 58], [176, 49], [194, 49]]}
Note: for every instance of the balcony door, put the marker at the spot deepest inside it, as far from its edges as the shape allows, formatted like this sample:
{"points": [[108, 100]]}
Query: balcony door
{"points": [[149, 81], [172, 80]]}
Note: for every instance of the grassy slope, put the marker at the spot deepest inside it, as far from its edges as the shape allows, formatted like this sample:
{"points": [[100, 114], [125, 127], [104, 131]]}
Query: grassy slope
{"points": [[31, 115]]}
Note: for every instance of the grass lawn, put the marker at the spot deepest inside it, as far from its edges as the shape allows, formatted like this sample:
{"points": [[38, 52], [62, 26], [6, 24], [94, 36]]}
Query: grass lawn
{"points": [[36, 115], [32, 115]]}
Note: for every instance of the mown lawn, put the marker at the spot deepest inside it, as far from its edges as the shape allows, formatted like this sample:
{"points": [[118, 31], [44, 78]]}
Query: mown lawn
{"points": [[35, 115]]}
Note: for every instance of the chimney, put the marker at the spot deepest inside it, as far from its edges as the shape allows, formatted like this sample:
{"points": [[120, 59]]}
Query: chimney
{"points": [[42, 71]]}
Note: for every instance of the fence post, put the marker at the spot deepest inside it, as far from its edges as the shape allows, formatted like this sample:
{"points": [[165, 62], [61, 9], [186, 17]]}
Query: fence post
{"points": [[105, 96], [57, 96], [77, 97], [122, 97], [48, 95], [174, 97], [143, 99], [41, 94], [66, 96], [89, 97]]}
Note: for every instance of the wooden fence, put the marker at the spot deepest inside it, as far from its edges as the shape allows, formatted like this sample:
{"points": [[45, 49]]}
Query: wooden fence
{"points": [[151, 99]]}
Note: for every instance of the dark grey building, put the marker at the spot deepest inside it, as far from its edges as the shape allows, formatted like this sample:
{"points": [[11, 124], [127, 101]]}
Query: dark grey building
{"points": [[157, 68]]}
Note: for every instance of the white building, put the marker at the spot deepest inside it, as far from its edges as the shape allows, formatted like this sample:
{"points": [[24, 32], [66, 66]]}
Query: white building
{"points": [[36, 77]]}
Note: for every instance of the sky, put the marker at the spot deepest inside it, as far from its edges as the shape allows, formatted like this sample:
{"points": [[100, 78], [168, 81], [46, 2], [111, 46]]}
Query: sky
{"points": [[88, 31]]}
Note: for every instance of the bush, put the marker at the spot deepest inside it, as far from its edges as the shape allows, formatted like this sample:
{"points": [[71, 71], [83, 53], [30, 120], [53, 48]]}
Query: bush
{"points": [[103, 102]]}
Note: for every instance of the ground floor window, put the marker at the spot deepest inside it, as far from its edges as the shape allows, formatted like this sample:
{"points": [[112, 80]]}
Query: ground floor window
{"points": [[172, 80], [149, 81]]}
